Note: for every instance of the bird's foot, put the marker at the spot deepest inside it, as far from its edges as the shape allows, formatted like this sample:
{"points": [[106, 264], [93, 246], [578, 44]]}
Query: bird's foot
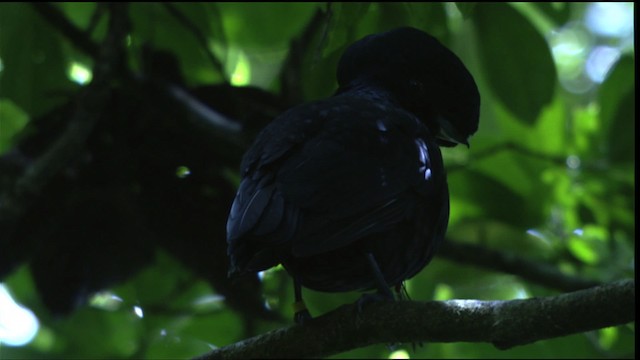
{"points": [[367, 299], [401, 292], [301, 314]]}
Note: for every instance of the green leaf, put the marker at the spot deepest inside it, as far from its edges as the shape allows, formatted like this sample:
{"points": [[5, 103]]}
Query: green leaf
{"points": [[265, 26], [91, 333], [496, 200], [621, 137], [263, 32], [34, 67], [516, 59], [432, 18], [153, 25], [607, 337], [466, 8], [320, 80], [619, 82], [583, 251], [392, 15], [346, 16], [78, 12], [617, 110], [558, 12], [12, 120]]}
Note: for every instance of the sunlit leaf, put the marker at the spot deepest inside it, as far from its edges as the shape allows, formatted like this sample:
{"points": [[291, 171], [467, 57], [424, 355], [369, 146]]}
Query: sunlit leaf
{"points": [[558, 12], [265, 26], [443, 292], [156, 26], [607, 337], [466, 8], [587, 247], [45, 340], [400, 354]]}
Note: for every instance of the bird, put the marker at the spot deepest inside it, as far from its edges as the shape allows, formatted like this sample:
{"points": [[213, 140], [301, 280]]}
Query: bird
{"points": [[349, 193]]}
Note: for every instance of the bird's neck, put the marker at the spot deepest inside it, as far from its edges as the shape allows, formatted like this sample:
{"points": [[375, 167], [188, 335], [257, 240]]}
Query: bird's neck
{"points": [[367, 89]]}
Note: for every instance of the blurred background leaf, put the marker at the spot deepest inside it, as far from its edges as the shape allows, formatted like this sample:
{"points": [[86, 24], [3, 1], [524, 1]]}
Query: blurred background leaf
{"points": [[517, 62], [550, 175]]}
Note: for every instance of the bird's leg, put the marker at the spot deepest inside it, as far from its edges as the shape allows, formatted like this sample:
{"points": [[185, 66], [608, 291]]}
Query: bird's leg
{"points": [[383, 293], [381, 284], [301, 314], [401, 292]]}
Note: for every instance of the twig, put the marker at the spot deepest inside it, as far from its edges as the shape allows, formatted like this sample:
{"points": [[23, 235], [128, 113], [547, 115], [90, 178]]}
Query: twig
{"points": [[95, 18], [291, 71], [90, 103], [535, 272], [488, 152], [203, 118], [200, 37], [78, 38], [504, 324], [209, 117]]}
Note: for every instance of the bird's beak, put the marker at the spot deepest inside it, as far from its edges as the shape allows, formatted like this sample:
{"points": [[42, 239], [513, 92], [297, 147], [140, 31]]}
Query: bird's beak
{"points": [[449, 135]]}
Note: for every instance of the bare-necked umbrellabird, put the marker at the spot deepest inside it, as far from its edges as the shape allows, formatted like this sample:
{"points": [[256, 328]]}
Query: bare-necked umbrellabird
{"points": [[350, 192]]}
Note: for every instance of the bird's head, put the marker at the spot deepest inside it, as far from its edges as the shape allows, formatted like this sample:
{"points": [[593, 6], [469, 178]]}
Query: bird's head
{"points": [[422, 75]]}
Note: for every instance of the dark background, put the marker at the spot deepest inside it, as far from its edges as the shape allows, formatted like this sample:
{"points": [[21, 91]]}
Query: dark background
{"points": [[130, 181]]}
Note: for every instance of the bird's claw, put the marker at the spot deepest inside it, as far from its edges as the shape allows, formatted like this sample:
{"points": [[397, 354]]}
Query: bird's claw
{"points": [[301, 317], [301, 314]]}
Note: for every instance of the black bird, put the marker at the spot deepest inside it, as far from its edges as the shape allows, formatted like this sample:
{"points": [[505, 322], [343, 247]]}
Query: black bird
{"points": [[350, 192]]}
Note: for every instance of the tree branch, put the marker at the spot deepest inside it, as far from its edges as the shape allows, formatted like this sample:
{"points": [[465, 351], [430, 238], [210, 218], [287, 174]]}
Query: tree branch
{"points": [[57, 19], [535, 272], [504, 324], [558, 160], [90, 103], [204, 118]]}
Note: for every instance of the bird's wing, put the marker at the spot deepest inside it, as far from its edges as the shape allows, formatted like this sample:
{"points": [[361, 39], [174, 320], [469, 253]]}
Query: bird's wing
{"points": [[331, 173]]}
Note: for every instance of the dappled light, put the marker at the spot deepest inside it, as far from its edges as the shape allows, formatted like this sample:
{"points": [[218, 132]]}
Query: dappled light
{"points": [[122, 133], [106, 300], [18, 325], [400, 354], [584, 58], [79, 73], [600, 61], [138, 311], [612, 19], [182, 172], [241, 74]]}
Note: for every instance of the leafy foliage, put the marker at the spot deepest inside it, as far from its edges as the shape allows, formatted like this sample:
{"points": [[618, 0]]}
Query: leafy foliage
{"points": [[549, 176]]}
